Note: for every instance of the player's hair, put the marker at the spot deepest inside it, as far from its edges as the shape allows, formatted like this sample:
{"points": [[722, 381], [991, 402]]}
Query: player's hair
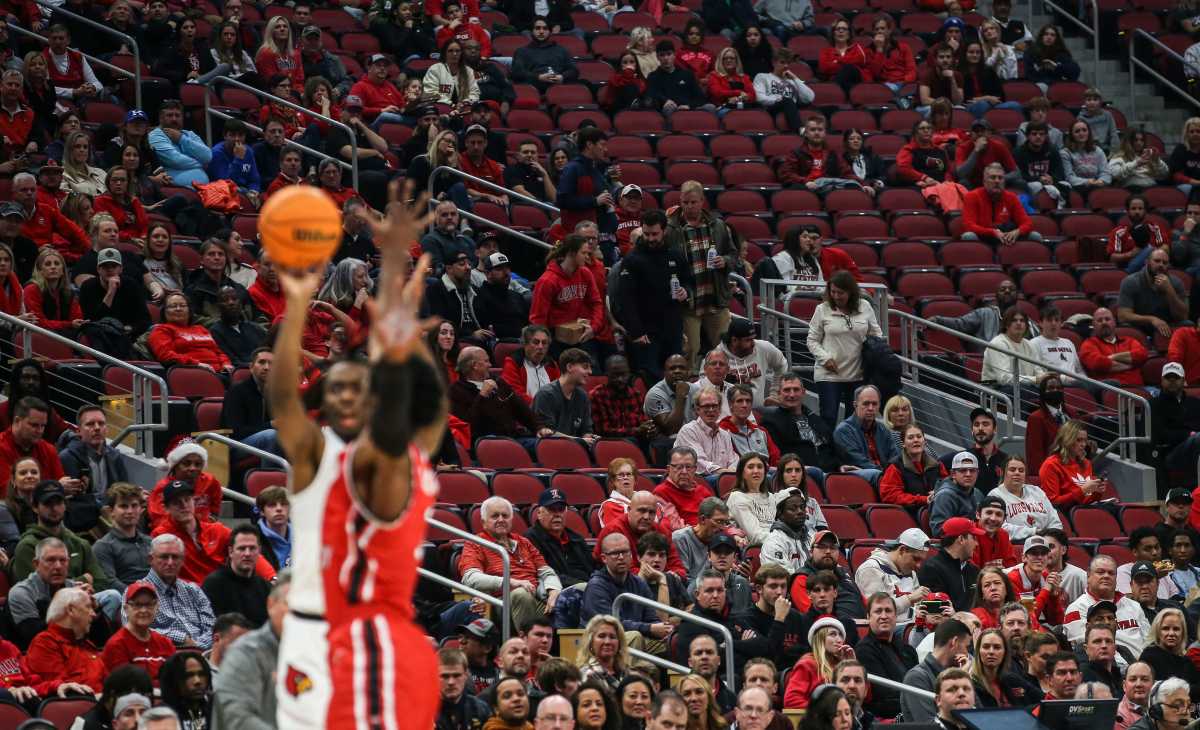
{"points": [[413, 393]]}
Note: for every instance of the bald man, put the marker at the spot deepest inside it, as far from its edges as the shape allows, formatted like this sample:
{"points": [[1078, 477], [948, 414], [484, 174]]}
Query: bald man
{"points": [[554, 713], [640, 519]]}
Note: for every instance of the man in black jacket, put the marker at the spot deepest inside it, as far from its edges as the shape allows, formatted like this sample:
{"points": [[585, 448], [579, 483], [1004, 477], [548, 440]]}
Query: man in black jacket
{"points": [[778, 630], [797, 430], [500, 308], [1176, 417], [646, 304], [710, 604], [671, 87], [950, 571], [493, 83], [460, 710], [564, 550], [245, 410], [885, 655], [235, 586], [543, 62]]}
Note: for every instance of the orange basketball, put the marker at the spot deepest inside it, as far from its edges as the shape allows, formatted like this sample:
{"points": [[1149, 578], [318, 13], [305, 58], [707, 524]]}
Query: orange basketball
{"points": [[300, 226]]}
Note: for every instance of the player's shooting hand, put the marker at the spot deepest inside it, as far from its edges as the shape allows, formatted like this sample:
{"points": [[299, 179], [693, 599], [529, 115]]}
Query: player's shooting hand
{"points": [[298, 287]]}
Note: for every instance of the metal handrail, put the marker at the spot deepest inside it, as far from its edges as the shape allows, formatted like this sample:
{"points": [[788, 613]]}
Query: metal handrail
{"points": [[1093, 29], [137, 53], [893, 684], [1135, 62], [747, 293], [136, 75], [506, 578], [491, 186], [1126, 401], [142, 390], [235, 444], [208, 111], [500, 226], [685, 616], [286, 142]]}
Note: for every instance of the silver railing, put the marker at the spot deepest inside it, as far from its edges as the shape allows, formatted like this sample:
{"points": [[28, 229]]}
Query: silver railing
{"points": [[685, 616], [144, 383], [902, 687], [1093, 30], [1137, 63], [1129, 405], [781, 326], [503, 602], [236, 445], [136, 74], [747, 293], [474, 218], [209, 113]]}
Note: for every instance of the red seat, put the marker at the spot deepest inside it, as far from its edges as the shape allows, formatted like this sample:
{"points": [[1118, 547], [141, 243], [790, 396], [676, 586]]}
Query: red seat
{"points": [[899, 120], [675, 145], [864, 95], [1085, 224], [1005, 120], [888, 521], [625, 22], [860, 225], [827, 94], [920, 284], [1021, 91], [259, 479], [1101, 281], [1118, 553], [12, 715], [1100, 524], [101, 112], [62, 711], [807, 47], [610, 47], [568, 95], [1042, 282], [579, 489], [532, 120], [907, 253], [1133, 517], [849, 489], [1024, 252], [726, 146], [501, 453], [638, 121], [208, 413], [749, 121], [750, 227], [844, 200], [572, 120], [449, 517], [702, 172], [918, 227], [1067, 93], [1148, 22], [853, 119], [750, 174], [462, 488], [891, 199], [1103, 199], [965, 253], [191, 382], [695, 120], [863, 254], [1164, 197], [361, 43], [795, 201], [741, 201], [847, 524], [520, 489], [638, 173], [562, 453], [605, 450]]}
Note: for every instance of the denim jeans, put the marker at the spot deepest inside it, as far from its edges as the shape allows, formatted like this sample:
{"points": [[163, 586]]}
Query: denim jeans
{"points": [[831, 394], [979, 108]]}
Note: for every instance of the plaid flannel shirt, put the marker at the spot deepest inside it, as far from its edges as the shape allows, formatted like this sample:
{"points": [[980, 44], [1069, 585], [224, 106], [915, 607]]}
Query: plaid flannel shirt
{"points": [[184, 612], [615, 414]]}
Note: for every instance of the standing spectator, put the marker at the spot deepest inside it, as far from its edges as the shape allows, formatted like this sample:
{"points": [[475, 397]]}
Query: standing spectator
{"points": [[1153, 300], [753, 362], [562, 407], [123, 553], [1132, 240], [705, 240], [278, 55], [672, 87], [583, 190], [543, 62], [182, 153], [862, 440], [567, 299], [1047, 59], [61, 657], [503, 304], [1136, 165], [779, 89], [1111, 357], [1066, 475], [135, 642], [650, 305], [784, 19], [840, 325], [235, 587], [844, 61], [1042, 424], [244, 691], [996, 215], [1099, 120]]}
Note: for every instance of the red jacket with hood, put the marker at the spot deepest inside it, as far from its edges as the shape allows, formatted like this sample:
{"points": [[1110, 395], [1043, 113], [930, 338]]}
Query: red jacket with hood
{"points": [[559, 298]]}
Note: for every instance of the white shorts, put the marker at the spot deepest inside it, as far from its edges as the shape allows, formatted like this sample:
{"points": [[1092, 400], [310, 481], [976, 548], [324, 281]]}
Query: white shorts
{"points": [[303, 680]]}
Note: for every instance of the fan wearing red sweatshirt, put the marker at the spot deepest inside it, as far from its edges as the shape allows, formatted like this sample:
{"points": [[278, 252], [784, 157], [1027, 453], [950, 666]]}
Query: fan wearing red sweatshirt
{"points": [[921, 162], [1109, 356], [178, 341], [844, 62], [186, 463], [378, 94], [61, 657], [462, 30], [45, 224], [992, 213], [567, 293], [1032, 582], [728, 84], [135, 642], [994, 546], [1066, 475], [15, 676]]}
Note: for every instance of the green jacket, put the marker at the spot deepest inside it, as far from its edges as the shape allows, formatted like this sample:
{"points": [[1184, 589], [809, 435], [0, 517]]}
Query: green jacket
{"points": [[82, 559], [721, 238]]}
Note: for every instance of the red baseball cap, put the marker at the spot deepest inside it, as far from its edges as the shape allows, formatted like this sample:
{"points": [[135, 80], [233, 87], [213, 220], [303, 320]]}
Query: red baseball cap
{"points": [[956, 526], [138, 587]]}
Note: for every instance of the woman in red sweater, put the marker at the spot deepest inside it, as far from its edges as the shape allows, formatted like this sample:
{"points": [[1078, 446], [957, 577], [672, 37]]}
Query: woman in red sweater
{"points": [[566, 294], [1066, 475], [277, 54], [992, 591], [891, 63], [294, 122], [844, 62], [692, 54], [921, 162], [49, 297], [626, 88], [177, 341], [123, 206], [910, 480], [728, 84], [827, 638]]}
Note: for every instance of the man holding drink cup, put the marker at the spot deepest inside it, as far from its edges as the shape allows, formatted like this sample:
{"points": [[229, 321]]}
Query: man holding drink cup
{"points": [[1040, 590]]}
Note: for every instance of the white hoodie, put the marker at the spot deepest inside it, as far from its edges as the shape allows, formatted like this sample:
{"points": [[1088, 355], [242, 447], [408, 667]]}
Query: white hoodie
{"points": [[764, 363], [1027, 514], [878, 573]]}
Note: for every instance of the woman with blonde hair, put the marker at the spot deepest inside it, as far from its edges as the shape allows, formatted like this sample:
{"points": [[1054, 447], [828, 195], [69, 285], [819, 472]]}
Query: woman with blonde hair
{"points": [[994, 686], [827, 637], [442, 152], [49, 296], [641, 45], [278, 55], [897, 415], [997, 55], [703, 713], [604, 651], [78, 208], [78, 174], [1166, 648], [1185, 158], [1066, 475], [728, 85]]}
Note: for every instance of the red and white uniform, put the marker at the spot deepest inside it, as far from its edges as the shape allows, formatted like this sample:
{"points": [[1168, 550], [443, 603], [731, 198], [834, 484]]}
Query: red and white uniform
{"points": [[351, 622]]}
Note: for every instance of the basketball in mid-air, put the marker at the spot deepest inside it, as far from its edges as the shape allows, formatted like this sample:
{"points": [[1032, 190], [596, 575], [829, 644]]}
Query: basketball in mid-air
{"points": [[300, 226]]}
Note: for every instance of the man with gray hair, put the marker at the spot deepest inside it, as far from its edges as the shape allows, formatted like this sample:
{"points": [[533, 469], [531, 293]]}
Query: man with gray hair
{"points": [[159, 718], [534, 585], [29, 599], [244, 689], [61, 657], [489, 405], [20, 118], [754, 710], [444, 241], [865, 444], [994, 214], [44, 221], [692, 542], [680, 488], [715, 454], [185, 614]]}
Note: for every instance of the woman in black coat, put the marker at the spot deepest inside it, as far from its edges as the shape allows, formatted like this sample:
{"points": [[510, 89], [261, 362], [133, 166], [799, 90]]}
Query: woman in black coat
{"points": [[861, 164]]}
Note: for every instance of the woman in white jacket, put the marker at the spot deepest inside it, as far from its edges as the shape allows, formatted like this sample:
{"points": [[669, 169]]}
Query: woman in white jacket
{"points": [[998, 364], [1135, 164], [751, 506], [782, 90], [451, 80], [1028, 510], [836, 333], [997, 55]]}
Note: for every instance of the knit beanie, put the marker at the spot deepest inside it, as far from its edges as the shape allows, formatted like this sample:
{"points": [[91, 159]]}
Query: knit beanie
{"points": [[186, 447]]}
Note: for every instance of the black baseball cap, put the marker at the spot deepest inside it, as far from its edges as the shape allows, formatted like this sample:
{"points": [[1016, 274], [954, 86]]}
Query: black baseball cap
{"points": [[1101, 606], [175, 489], [1143, 567], [551, 497], [981, 411], [993, 502], [1175, 495], [47, 490], [722, 541]]}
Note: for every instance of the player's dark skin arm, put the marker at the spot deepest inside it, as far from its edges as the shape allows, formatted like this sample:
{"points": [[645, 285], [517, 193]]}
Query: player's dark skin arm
{"points": [[299, 437]]}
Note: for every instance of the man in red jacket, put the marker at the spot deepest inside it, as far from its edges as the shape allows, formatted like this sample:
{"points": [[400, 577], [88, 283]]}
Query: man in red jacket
{"points": [[24, 438], [972, 159], [61, 657], [643, 507], [206, 544], [812, 161], [44, 224], [995, 215], [1108, 356], [994, 546], [382, 101]]}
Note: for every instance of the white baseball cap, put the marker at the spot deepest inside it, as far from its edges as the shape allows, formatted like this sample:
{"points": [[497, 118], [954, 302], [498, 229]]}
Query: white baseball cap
{"points": [[914, 538], [1173, 368], [964, 460]]}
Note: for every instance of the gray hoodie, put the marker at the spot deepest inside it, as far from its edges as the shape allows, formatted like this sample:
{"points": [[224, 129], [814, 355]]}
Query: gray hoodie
{"points": [[950, 500], [1185, 250], [878, 573], [786, 11]]}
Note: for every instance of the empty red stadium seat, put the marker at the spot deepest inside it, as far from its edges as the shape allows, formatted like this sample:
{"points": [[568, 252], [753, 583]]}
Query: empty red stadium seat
{"points": [[681, 172], [741, 201], [849, 489], [844, 522], [748, 174], [1100, 523], [1085, 224], [1024, 252], [860, 224], [848, 200], [679, 145], [462, 488], [965, 253], [259, 479], [924, 284], [907, 253], [570, 95], [918, 227], [1101, 281], [730, 145], [750, 227], [974, 284], [532, 120], [579, 489], [749, 121], [863, 254], [1042, 282], [502, 453], [62, 711], [695, 120], [518, 488], [562, 453], [888, 521], [194, 382]]}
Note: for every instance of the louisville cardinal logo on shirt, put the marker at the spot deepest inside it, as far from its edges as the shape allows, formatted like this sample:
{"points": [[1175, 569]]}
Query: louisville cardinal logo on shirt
{"points": [[297, 682]]}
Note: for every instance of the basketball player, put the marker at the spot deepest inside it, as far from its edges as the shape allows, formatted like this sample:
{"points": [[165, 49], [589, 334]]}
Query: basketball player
{"points": [[351, 656]]}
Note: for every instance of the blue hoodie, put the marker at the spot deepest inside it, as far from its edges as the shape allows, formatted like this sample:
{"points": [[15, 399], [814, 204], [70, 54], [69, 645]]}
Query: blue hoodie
{"points": [[243, 172]]}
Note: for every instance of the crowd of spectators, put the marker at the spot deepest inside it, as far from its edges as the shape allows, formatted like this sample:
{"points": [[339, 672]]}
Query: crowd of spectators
{"points": [[139, 594]]}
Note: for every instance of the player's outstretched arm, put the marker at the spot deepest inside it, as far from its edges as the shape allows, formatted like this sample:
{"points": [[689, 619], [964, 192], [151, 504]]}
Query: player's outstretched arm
{"points": [[298, 436]]}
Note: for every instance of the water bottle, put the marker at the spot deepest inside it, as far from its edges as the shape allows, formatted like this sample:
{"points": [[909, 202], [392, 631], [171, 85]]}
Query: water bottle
{"points": [[741, 104], [675, 286], [712, 257]]}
